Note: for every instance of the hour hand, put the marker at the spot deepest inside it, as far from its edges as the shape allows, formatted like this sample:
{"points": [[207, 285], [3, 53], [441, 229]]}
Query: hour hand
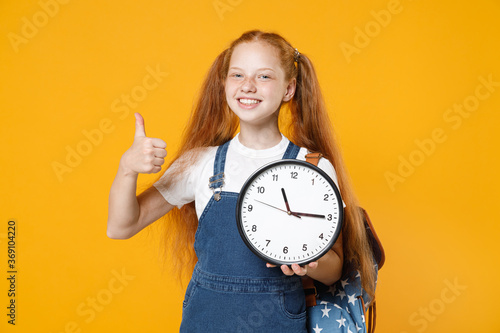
{"points": [[308, 215]]}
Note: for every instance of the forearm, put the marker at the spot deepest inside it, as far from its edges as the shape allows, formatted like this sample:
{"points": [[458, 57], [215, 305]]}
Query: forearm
{"points": [[329, 269], [123, 206]]}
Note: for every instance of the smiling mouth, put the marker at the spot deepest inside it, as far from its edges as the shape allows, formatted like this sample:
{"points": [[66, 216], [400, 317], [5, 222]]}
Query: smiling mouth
{"points": [[247, 101]]}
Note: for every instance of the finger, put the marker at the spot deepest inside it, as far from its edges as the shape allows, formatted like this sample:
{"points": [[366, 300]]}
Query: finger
{"points": [[286, 270], [268, 265], [299, 270], [161, 153], [158, 161], [159, 143], [140, 131]]}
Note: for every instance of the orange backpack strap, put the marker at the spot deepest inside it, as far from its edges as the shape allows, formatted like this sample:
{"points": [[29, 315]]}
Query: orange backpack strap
{"points": [[309, 290], [313, 158]]}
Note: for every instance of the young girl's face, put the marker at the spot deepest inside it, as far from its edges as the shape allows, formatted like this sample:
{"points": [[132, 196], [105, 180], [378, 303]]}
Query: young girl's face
{"points": [[255, 84]]}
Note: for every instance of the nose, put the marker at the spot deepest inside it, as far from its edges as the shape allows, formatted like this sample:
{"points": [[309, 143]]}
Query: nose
{"points": [[248, 85]]}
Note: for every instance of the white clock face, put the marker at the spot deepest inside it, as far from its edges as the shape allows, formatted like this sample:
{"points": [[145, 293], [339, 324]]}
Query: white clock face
{"points": [[289, 211]]}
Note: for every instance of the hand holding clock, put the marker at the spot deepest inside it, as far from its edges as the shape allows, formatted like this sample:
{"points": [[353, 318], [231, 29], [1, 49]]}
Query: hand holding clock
{"points": [[297, 269], [327, 269]]}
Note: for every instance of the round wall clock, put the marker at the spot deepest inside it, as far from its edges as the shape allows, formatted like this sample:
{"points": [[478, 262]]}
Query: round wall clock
{"points": [[289, 211]]}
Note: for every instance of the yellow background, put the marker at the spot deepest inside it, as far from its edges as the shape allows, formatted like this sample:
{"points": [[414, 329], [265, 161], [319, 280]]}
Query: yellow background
{"points": [[61, 78]]}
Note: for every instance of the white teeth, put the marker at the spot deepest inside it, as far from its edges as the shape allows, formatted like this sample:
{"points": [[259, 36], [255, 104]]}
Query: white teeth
{"points": [[249, 101]]}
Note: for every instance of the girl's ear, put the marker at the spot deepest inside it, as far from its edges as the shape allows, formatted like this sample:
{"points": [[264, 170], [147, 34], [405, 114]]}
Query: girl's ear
{"points": [[290, 90]]}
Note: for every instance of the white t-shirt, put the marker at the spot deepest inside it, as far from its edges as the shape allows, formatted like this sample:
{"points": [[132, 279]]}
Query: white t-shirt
{"points": [[241, 162]]}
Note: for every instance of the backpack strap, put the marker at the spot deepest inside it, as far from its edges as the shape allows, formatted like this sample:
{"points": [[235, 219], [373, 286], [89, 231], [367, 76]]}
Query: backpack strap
{"points": [[375, 243], [379, 256], [313, 158]]}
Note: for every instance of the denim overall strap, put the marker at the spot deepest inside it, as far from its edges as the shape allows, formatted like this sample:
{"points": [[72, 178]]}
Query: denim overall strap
{"points": [[217, 180], [291, 151]]}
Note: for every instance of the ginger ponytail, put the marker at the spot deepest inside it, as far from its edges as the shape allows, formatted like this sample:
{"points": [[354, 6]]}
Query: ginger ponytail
{"points": [[311, 127]]}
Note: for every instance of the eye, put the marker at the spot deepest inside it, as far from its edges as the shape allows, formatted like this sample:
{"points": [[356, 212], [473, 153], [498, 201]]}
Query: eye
{"points": [[236, 75], [265, 76]]}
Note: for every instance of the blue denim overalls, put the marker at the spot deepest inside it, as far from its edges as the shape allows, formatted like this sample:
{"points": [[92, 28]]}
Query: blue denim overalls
{"points": [[231, 289]]}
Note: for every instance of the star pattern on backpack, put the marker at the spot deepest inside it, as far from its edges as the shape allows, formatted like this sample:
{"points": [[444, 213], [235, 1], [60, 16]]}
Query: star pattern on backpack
{"points": [[341, 307]]}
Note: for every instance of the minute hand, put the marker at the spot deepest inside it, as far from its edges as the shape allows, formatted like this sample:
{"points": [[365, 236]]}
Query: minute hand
{"points": [[309, 215], [288, 212]]}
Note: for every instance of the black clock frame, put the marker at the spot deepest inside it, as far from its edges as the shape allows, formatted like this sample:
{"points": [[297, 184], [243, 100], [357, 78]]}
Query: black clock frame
{"points": [[263, 169]]}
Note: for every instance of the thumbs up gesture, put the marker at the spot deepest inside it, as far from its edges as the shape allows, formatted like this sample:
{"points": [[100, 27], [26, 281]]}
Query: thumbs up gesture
{"points": [[146, 155]]}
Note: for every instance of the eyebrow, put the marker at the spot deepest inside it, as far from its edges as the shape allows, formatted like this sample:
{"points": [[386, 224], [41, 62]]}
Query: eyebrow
{"points": [[259, 69]]}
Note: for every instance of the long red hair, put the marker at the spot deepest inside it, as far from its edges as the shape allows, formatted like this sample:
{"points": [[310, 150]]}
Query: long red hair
{"points": [[306, 124]]}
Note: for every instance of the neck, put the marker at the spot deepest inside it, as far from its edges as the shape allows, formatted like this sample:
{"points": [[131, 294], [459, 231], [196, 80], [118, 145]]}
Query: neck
{"points": [[259, 138]]}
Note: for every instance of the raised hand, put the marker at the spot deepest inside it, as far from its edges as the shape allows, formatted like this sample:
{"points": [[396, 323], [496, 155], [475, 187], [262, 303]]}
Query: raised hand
{"points": [[146, 155]]}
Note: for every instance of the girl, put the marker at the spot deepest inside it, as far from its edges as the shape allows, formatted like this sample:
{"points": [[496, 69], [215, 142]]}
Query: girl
{"points": [[247, 86]]}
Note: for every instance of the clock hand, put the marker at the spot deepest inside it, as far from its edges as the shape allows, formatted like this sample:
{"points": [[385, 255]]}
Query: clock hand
{"points": [[289, 213], [307, 214], [286, 200]]}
